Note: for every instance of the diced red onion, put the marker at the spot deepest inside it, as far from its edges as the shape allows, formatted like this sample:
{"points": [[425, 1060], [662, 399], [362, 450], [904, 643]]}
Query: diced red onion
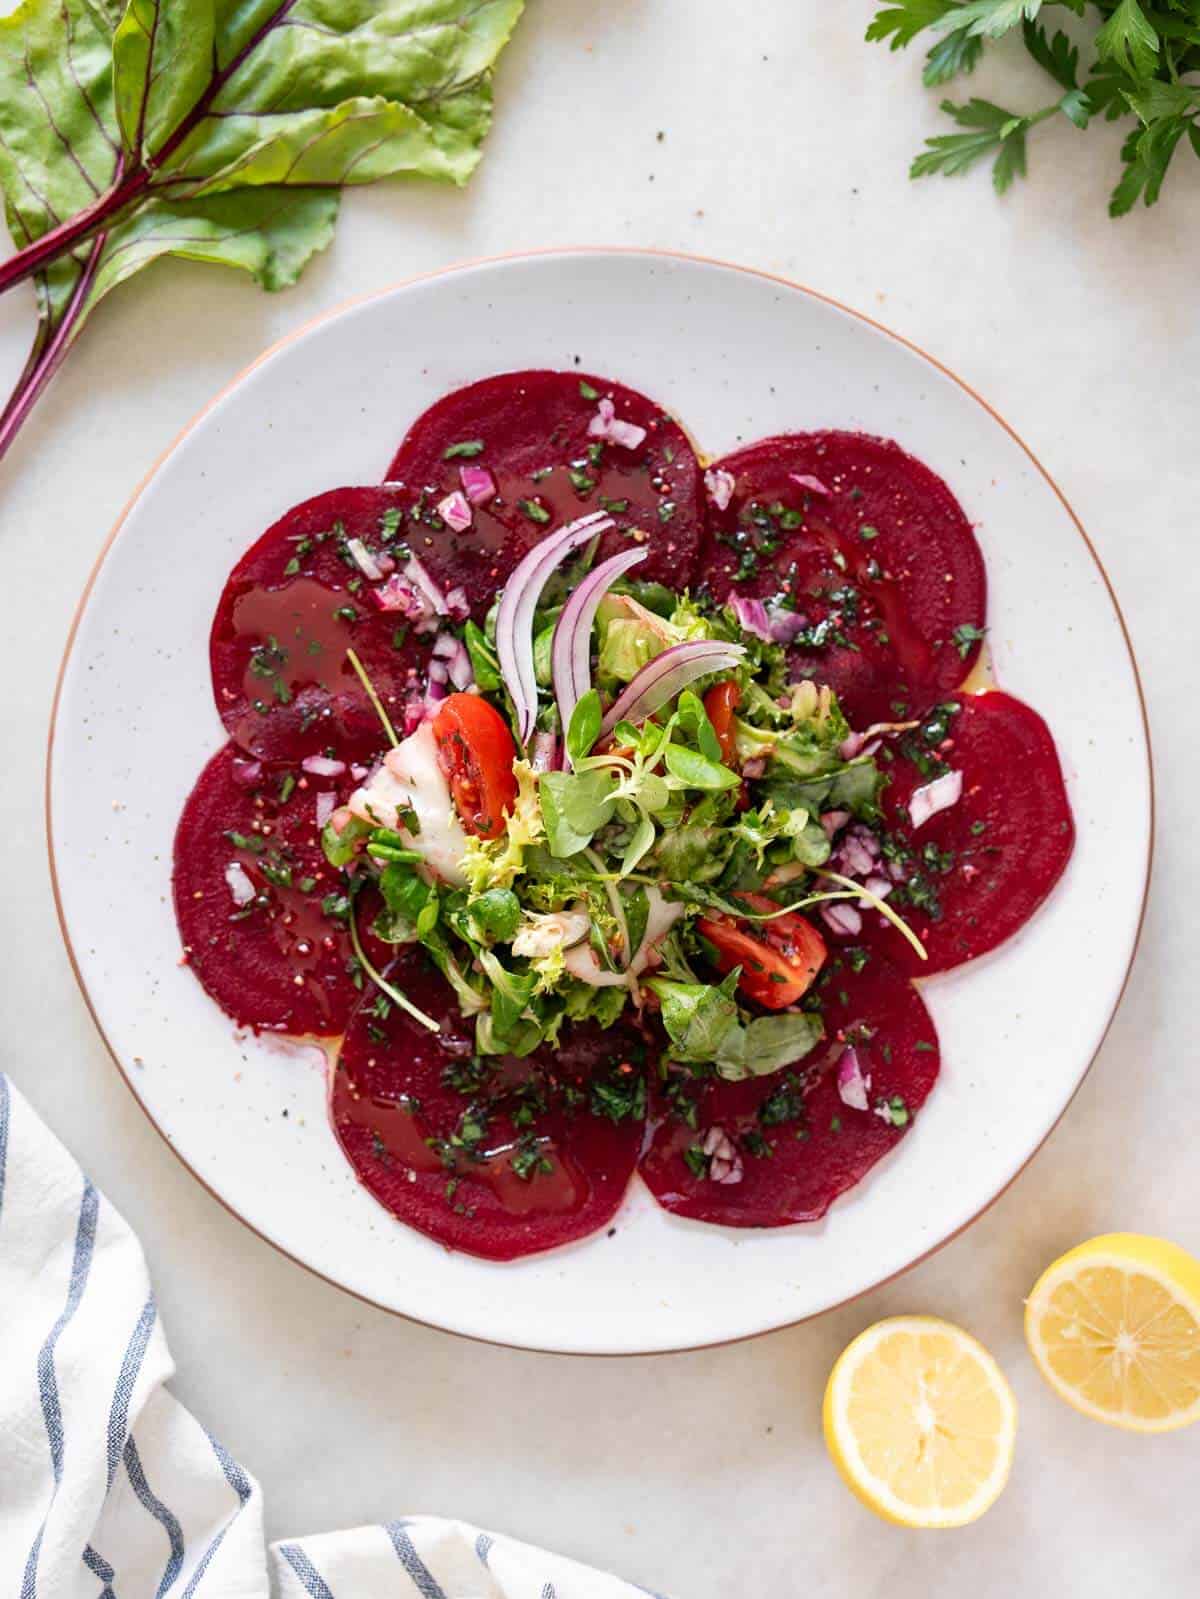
{"points": [[571, 647], [322, 766], [325, 806], [853, 1084], [751, 616], [669, 674], [339, 819], [545, 754], [458, 607], [370, 568], [247, 773], [754, 769], [931, 798], [455, 512], [724, 1162], [807, 481], [478, 484], [607, 425], [453, 654], [878, 885], [420, 579], [439, 672], [514, 617], [841, 917], [832, 821], [855, 856], [415, 711], [240, 887], [856, 743], [358, 772], [884, 1111], [720, 485], [771, 622], [399, 595]]}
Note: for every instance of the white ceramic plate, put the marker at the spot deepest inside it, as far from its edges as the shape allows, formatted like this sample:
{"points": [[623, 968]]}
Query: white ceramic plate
{"points": [[735, 355]]}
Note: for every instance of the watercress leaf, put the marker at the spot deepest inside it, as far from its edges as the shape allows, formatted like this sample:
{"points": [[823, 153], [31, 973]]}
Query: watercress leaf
{"points": [[495, 914], [693, 719], [574, 806], [637, 915], [410, 905], [585, 725], [653, 794], [511, 992], [694, 770], [484, 660], [627, 734], [698, 1017], [768, 1043], [341, 848], [641, 841]]}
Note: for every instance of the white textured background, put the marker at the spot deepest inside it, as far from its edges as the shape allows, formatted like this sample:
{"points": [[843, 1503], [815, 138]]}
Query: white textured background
{"points": [[786, 143]]}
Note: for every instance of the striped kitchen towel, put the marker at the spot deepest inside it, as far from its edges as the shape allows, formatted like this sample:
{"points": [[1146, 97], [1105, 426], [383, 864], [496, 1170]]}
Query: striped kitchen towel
{"points": [[110, 1489]]}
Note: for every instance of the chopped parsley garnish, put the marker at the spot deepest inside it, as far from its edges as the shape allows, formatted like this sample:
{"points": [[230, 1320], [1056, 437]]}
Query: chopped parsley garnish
{"points": [[465, 448], [966, 635], [534, 511], [587, 391]]}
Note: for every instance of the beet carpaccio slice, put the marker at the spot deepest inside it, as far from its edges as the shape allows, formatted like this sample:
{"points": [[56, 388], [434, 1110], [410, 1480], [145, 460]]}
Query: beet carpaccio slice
{"points": [[796, 1144], [494, 1156], [533, 432], [292, 607], [978, 870], [261, 912], [869, 549]]}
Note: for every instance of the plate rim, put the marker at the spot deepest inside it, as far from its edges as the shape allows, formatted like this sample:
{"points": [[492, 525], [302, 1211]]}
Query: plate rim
{"points": [[518, 256]]}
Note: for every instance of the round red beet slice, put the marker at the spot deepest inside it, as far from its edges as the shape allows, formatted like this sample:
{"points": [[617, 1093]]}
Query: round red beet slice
{"points": [[977, 871], [279, 962], [292, 607], [531, 432], [866, 547], [494, 1156], [795, 1142]]}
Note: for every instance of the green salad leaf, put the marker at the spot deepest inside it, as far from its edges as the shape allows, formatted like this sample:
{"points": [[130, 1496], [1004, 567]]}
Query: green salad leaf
{"points": [[219, 133]]}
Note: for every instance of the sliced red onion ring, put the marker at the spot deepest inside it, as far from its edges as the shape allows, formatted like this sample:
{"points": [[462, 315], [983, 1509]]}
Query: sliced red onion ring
{"points": [[514, 618], [853, 1084], [545, 754], [931, 798], [571, 647], [669, 674]]}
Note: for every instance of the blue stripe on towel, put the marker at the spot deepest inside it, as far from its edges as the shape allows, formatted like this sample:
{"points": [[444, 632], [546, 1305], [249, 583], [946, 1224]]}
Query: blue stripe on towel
{"points": [[169, 1523], [100, 1568], [420, 1574], [314, 1582], [85, 1245], [243, 1487], [118, 1414]]}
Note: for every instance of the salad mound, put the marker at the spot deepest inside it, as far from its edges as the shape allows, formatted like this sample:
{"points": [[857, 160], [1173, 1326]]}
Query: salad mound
{"points": [[610, 835]]}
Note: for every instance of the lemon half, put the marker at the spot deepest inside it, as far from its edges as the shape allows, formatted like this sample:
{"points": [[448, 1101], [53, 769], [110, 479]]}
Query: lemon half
{"points": [[1114, 1327], [920, 1422]]}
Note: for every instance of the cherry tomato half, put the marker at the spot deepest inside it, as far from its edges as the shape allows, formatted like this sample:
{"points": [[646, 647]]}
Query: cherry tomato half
{"points": [[476, 753], [720, 702], [779, 958]]}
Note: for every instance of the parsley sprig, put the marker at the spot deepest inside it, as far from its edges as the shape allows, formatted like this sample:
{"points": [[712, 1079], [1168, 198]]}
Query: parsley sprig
{"points": [[1143, 58]]}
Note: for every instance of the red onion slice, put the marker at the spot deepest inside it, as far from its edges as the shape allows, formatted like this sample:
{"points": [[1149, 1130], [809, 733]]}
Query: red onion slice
{"points": [[514, 618], [571, 648], [669, 674]]}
